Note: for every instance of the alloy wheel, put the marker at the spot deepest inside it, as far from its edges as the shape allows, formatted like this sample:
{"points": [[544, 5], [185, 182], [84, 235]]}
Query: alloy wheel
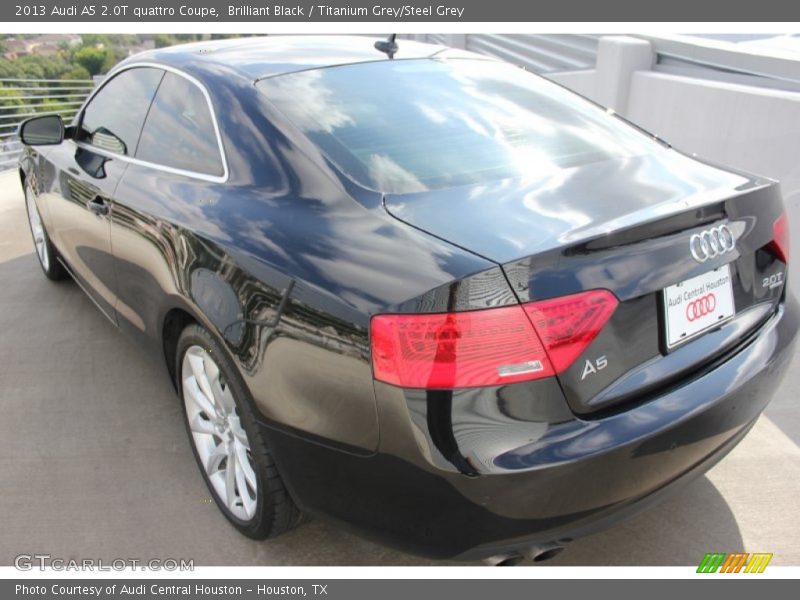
{"points": [[217, 433], [37, 228]]}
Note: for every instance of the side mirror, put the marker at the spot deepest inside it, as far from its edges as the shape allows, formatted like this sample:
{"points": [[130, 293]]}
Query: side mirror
{"points": [[47, 130]]}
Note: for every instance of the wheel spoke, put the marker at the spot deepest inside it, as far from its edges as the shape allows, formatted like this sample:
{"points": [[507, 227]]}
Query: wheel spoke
{"points": [[215, 459], [224, 396], [212, 372], [192, 391], [238, 432], [201, 425], [248, 503], [198, 369], [244, 462], [230, 481]]}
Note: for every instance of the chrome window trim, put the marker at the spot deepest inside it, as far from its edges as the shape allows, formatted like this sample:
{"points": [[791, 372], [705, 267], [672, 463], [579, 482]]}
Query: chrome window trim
{"points": [[144, 163]]}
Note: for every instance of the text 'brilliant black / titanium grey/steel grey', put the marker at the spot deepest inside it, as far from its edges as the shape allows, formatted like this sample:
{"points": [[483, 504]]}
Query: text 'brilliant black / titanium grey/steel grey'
{"points": [[418, 291]]}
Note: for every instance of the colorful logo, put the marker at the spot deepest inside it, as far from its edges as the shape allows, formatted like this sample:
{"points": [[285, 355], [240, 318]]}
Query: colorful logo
{"points": [[737, 562], [701, 307]]}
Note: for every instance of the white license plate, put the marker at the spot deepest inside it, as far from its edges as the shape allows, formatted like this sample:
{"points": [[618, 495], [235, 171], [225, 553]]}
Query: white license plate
{"points": [[697, 304]]}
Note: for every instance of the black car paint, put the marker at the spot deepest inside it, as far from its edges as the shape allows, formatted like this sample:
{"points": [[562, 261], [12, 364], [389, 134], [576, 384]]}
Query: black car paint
{"points": [[569, 238], [286, 261], [553, 479]]}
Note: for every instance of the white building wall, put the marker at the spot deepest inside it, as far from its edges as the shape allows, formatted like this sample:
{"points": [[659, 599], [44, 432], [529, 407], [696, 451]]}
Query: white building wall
{"points": [[756, 129], [751, 128]]}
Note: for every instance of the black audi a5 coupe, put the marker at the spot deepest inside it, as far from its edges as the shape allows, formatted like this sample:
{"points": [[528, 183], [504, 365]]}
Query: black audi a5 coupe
{"points": [[421, 292]]}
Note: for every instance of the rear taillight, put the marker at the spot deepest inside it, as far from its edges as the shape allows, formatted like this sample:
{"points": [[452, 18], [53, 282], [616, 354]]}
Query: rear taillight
{"points": [[779, 246], [567, 325], [455, 350], [487, 347]]}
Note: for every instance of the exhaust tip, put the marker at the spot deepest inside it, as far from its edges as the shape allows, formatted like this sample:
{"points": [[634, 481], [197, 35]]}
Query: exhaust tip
{"points": [[534, 554], [511, 561], [548, 554], [504, 560]]}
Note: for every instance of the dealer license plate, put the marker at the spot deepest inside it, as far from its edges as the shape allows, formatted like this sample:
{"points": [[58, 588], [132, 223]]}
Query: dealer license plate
{"points": [[695, 305]]}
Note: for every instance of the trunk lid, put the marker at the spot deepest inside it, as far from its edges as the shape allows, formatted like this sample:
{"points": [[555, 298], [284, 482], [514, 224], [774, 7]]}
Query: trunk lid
{"points": [[623, 225]]}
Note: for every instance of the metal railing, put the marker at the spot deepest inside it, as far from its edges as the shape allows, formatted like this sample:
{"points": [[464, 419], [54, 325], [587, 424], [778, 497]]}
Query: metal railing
{"points": [[23, 98]]}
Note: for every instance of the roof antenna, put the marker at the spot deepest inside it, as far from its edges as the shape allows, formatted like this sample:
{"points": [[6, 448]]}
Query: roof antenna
{"points": [[388, 47]]}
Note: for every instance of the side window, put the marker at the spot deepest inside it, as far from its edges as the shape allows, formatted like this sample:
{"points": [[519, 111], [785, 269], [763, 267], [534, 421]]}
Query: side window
{"points": [[179, 131], [113, 119]]}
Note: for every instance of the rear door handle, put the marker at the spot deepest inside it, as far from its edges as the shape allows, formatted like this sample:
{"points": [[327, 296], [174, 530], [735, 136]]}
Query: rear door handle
{"points": [[98, 206]]}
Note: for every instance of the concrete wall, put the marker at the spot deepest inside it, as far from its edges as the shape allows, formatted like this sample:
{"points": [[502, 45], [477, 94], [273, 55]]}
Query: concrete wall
{"points": [[578, 81], [731, 105], [751, 128], [746, 126]]}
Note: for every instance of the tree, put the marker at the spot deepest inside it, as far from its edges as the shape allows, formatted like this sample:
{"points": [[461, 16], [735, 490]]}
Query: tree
{"points": [[8, 100], [77, 72], [91, 59], [113, 56], [162, 40], [53, 106], [33, 67], [96, 39]]}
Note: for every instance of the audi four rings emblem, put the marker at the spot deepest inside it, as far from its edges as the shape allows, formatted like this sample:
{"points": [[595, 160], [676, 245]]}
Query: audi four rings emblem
{"points": [[711, 243], [701, 307]]}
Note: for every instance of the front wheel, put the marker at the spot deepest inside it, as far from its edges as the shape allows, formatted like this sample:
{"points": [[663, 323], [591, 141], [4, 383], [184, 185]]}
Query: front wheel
{"points": [[229, 447], [47, 254]]}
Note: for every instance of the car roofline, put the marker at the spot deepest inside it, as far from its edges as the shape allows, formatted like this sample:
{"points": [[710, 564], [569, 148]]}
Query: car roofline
{"points": [[372, 62], [196, 57]]}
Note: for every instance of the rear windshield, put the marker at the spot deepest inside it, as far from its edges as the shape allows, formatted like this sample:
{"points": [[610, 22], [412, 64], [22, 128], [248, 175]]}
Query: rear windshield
{"points": [[407, 126]]}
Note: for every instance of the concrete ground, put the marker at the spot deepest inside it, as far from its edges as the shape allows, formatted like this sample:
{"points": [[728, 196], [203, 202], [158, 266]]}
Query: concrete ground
{"points": [[95, 462]]}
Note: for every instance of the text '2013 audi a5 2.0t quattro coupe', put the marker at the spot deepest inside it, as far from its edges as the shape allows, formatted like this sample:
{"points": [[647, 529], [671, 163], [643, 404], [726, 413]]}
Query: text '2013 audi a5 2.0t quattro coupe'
{"points": [[421, 292]]}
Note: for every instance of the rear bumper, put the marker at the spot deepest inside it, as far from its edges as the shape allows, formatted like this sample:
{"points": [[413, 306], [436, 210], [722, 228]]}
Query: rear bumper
{"points": [[527, 477]]}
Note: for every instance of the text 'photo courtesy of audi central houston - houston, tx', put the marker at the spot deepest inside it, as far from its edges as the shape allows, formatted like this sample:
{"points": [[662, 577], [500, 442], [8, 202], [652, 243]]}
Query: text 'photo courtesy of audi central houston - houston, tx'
{"points": [[421, 292]]}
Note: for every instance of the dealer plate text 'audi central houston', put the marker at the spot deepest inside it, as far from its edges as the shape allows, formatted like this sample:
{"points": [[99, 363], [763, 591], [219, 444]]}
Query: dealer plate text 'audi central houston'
{"points": [[418, 291]]}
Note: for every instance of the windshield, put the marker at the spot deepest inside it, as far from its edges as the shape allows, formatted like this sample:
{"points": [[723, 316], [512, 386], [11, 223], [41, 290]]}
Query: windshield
{"points": [[407, 126]]}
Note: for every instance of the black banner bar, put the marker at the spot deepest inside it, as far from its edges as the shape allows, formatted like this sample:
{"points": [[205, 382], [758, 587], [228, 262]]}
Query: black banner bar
{"points": [[467, 11], [732, 587]]}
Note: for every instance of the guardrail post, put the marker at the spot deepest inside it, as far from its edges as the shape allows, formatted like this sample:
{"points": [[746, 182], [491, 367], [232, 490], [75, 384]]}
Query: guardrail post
{"points": [[618, 57], [457, 40]]}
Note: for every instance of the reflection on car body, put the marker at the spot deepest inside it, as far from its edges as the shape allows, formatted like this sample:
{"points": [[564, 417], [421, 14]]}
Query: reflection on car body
{"points": [[424, 296]]}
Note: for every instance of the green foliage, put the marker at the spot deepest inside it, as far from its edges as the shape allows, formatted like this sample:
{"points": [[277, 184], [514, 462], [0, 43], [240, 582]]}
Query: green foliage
{"points": [[96, 39], [163, 40], [96, 54], [34, 67], [8, 102], [53, 105], [91, 58], [76, 72], [183, 38]]}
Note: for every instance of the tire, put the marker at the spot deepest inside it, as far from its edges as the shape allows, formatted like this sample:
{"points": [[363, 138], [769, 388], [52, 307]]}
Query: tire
{"points": [[265, 510], [45, 251]]}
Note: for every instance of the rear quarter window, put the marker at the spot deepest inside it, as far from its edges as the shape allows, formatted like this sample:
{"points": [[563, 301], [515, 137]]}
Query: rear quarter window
{"points": [[179, 130]]}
